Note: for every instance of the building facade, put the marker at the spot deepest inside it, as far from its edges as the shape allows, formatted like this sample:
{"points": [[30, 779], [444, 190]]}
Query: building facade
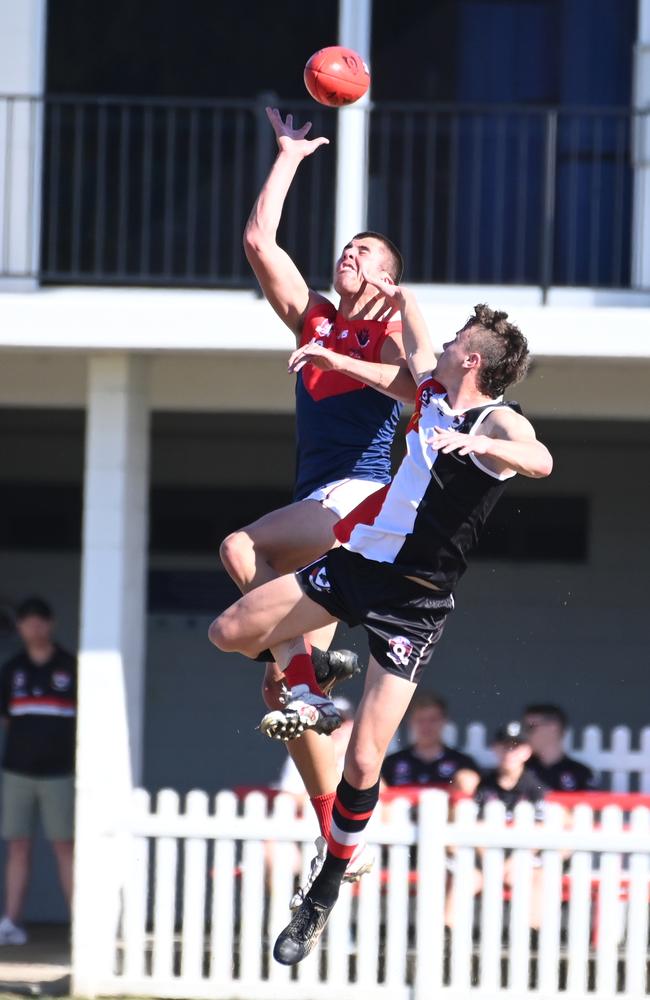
{"points": [[144, 402]]}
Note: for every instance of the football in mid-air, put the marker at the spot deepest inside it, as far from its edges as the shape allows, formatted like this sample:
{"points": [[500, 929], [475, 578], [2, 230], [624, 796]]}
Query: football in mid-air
{"points": [[336, 76]]}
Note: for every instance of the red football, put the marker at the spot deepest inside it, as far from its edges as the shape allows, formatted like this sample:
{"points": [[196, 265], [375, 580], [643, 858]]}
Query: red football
{"points": [[336, 76]]}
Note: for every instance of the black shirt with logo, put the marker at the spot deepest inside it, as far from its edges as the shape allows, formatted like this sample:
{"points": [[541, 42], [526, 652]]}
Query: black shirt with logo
{"points": [[566, 775], [40, 702], [406, 768], [527, 789]]}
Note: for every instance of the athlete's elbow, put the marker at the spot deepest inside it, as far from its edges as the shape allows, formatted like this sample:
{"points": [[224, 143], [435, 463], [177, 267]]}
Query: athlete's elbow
{"points": [[543, 465], [255, 241]]}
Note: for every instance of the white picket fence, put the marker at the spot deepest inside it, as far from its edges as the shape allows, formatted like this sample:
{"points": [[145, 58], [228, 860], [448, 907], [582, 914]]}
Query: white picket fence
{"points": [[618, 766], [200, 898]]}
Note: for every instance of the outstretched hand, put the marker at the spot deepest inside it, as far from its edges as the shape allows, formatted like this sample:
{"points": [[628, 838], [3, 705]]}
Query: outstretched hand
{"points": [[293, 139]]}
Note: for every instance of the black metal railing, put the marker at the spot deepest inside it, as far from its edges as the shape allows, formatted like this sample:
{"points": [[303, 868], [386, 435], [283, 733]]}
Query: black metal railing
{"points": [[147, 191], [507, 195]]}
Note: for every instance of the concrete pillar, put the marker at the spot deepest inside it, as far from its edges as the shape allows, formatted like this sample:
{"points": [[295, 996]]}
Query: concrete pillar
{"points": [[355, 18], [111, 649], [641, 152], [22, 80]]}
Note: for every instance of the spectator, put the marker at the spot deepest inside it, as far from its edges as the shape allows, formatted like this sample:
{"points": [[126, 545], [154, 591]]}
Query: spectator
{"points": [[38, 707], [510, 783], [428, 761], [545, 726]]}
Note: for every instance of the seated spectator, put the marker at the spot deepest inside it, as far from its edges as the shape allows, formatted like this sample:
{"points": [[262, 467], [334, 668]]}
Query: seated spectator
{"points": [[510, 783], [545, 726], [428, 761]]}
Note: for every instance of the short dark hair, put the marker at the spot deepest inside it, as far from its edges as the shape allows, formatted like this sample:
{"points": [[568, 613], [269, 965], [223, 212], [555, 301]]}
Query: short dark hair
{"points": [[396, 269], [36, 606], [428, 699], [503, 349], [549, 711]]}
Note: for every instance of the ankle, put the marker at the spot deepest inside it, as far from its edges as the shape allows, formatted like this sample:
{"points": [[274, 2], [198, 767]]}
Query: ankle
{"points": [[301, 671]]}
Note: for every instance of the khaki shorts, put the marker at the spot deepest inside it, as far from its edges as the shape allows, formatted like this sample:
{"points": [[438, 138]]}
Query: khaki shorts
{"points": [[23, 795]]}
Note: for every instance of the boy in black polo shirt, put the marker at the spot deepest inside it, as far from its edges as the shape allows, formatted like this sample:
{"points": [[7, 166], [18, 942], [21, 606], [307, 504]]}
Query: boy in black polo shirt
{"points": [[545, 726], [429, 761], [38, 704]]}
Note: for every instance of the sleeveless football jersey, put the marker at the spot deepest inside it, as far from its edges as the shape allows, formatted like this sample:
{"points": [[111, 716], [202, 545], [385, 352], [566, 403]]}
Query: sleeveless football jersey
{"points": [[430, 517], [344, 429]]}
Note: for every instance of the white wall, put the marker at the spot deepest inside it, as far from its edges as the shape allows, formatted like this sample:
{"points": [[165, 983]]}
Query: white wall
{"points": [[258, 383]]}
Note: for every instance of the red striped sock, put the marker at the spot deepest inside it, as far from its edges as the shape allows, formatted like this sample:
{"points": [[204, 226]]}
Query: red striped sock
{"points": [[352, 809], [301, 671], [323, 805]]}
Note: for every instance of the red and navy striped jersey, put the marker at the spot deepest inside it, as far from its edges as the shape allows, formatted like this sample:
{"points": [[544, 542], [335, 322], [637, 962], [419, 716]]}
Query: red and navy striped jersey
{"points": [[344, 429], [430, 517]]}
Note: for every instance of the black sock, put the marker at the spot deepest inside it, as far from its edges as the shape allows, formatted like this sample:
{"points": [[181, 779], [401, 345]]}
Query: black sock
{"points": [[353, 808]]}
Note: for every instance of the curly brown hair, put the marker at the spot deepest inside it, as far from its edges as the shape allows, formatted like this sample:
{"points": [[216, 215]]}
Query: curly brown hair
{"points": [[503, 349]]}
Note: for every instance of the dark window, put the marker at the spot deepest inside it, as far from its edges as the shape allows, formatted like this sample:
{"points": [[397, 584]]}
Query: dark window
{"points": [[40, 516], [196, 520], [531, 529]]}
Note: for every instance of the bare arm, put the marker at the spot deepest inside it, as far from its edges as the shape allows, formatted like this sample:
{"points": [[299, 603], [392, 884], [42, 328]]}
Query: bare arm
{"points": [[280, 280], [390, 375], [418, 349], [508, 444]]}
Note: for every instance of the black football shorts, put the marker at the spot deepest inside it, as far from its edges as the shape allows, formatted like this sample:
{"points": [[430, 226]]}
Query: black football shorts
{"points": [[404, 620]]}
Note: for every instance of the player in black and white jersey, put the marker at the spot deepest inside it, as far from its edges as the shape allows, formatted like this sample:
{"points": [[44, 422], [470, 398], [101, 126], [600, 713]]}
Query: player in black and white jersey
{"points": [[396, 574]]}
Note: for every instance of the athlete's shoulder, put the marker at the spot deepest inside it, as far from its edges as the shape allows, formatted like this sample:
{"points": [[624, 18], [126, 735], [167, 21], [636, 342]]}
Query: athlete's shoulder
{"points": [[507, 420]]}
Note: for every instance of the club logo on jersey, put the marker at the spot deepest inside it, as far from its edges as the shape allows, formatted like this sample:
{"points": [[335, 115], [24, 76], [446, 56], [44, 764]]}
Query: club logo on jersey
{"points": [[324, 328], [446, 768], [403, 770], [342, 335], [363, 337], [61, 680], [356, 354], [567, 781], [426, 396], [19, 680], [318, 579], [400, 650]]}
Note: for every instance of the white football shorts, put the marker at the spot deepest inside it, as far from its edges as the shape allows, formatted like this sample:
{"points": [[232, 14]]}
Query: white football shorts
{"points": [[343, 495]]}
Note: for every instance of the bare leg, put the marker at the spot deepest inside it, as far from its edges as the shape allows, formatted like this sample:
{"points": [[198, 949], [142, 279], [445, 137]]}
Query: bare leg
{"points": [[283, 541], [385, 700], [18, 866], [278, 543], [63, 852]]}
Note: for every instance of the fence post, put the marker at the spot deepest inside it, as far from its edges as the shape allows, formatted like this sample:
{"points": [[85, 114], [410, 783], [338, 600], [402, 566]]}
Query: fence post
{"points": [[430, 904], [548, 203]]}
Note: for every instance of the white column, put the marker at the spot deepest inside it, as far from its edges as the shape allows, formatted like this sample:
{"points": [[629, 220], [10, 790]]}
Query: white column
{"points": [[111, 654], [22, 77], [355, 17], [641, 152]]}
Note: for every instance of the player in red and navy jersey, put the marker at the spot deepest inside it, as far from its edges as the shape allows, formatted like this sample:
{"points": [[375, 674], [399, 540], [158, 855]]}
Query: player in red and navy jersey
{"points": [[396, 572], [347, 410]]}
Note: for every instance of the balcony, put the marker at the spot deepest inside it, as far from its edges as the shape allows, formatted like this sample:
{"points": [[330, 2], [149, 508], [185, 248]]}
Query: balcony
{"points": [[152, 192]]}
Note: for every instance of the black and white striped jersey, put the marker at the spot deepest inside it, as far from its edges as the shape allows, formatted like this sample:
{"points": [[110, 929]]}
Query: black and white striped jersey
{"points": [[435, 508]]}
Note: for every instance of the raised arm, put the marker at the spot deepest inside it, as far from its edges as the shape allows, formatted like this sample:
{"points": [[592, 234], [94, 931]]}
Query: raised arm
{"points": [[279, 278], [418, 349]]}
